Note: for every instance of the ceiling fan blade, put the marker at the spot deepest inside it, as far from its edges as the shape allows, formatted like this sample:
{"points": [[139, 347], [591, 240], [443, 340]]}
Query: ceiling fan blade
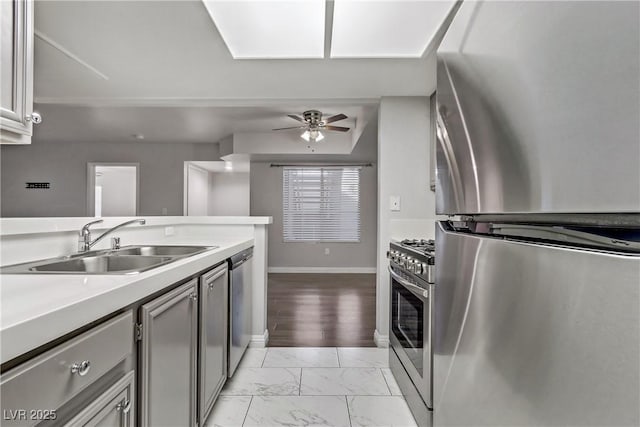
{"points": [[334, 118], [298, 118], [338, 128], [293, 127]]}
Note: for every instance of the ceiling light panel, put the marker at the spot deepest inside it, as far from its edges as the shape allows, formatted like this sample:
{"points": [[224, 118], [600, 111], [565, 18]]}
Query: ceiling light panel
{"points": [[385, 29], [265, 29]]}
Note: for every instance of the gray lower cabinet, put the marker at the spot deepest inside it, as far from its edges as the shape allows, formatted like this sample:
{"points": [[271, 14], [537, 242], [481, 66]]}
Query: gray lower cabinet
{"points": [[112, 408], [60, 384], [168, 357], [214, 303], [93, 379]]}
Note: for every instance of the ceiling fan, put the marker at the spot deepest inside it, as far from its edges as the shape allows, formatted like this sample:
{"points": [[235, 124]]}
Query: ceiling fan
{"points": [[314, 123]]}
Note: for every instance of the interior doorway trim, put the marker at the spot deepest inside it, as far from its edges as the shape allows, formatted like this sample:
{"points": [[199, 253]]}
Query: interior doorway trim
{"points": [[188, 165], [91, 184]]}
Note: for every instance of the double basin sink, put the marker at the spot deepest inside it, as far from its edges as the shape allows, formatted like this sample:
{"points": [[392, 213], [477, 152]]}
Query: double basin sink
{"points": [[127, 260]]}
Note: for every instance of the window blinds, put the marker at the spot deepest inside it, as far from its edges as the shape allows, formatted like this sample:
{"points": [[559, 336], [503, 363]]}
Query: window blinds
{"points": [[321, 204]]}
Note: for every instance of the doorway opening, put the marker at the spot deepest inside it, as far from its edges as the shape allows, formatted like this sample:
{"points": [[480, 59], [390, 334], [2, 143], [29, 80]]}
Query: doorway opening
{"points": [[112, 189], [216, 188]]}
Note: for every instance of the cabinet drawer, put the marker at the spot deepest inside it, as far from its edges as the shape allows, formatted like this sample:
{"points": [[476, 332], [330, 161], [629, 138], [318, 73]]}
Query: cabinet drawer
{"points": [[53, 378], [114, 407]]}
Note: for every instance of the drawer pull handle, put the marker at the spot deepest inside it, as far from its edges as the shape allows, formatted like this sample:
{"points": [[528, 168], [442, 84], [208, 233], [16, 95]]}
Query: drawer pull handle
{"points": [[81, 368], [124, 406]]}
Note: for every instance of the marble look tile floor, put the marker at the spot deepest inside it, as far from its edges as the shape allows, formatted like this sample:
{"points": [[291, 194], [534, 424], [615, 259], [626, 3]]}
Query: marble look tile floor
{"points": [[304, 386]]}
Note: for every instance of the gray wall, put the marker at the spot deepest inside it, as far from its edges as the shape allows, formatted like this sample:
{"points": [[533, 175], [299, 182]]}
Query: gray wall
{"points": [[266, 199], [64, 165], [403, 168], [229, 193]]}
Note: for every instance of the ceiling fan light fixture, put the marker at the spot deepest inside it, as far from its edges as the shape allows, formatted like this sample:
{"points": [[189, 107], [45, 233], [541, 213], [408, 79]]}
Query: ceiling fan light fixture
{"points": [[312, 135]]}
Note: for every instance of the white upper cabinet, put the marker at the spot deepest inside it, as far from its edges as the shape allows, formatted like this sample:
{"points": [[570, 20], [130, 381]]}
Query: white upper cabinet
{"points": [[16, 72]]}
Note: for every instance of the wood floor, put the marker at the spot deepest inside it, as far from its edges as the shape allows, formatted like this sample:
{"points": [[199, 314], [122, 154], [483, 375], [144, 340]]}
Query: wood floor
{"points": [[321, 310]]}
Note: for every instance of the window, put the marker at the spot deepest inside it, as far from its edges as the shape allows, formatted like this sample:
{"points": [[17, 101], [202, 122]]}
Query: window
{"points": [[321, 204]]}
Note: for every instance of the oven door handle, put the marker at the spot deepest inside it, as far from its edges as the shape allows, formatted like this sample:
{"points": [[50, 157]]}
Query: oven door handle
{"points": [[416, 290]]}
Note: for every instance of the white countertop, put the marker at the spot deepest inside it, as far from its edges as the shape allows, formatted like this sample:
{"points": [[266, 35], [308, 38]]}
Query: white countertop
{"points": [[38, 308], [13, 226]]}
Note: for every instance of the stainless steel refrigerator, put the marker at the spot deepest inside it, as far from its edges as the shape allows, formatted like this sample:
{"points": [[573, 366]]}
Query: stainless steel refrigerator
{"points": [[537, 289]]}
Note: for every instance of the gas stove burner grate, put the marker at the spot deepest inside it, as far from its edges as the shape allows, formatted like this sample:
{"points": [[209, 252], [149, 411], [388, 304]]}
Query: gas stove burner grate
{"points": [[419, 244]]}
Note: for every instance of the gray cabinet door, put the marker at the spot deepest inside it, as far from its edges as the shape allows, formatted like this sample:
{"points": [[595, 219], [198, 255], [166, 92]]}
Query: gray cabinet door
{"points": [[168, 358], [113, 408], [16, 83], [214, 303]]}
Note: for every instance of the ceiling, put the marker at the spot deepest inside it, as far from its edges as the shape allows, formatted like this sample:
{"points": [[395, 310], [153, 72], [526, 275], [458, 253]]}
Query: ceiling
{"points": [[195, 124], [170, 50], [107, 70]]}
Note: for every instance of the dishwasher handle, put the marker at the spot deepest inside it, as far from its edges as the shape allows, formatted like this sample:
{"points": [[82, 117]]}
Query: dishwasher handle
{"points": [[237, 260]]}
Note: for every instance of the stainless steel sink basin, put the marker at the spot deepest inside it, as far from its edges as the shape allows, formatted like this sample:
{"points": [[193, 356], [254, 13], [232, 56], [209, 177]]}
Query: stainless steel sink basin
{"points": [[104, 264], [127, 260], [161, 250]]}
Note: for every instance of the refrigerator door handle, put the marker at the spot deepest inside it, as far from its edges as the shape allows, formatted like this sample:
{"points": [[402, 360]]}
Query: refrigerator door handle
{"points": [[421, 293]]}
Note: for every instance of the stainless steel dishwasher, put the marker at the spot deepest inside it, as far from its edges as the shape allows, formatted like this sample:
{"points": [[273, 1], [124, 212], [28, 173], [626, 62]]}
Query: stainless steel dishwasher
{"points": [[240, 306]]}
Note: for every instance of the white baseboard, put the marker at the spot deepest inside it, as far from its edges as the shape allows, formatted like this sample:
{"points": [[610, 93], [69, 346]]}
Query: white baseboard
{"points": [[381, 341], [259, 341], [358, 270]]}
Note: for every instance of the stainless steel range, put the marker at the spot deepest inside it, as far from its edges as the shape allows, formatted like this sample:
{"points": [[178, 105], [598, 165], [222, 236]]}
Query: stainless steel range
{"points": [[410, 357]]}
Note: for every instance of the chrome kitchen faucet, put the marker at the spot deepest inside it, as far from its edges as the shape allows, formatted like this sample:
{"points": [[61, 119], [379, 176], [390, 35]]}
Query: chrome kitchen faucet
{"points": [[84, 240]]}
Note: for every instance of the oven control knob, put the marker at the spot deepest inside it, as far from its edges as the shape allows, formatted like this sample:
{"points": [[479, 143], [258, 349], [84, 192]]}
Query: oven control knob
{"points": [[417, 267]]}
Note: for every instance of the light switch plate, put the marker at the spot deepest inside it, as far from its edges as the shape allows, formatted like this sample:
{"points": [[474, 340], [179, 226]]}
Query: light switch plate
{"points": [[394, 203]]}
